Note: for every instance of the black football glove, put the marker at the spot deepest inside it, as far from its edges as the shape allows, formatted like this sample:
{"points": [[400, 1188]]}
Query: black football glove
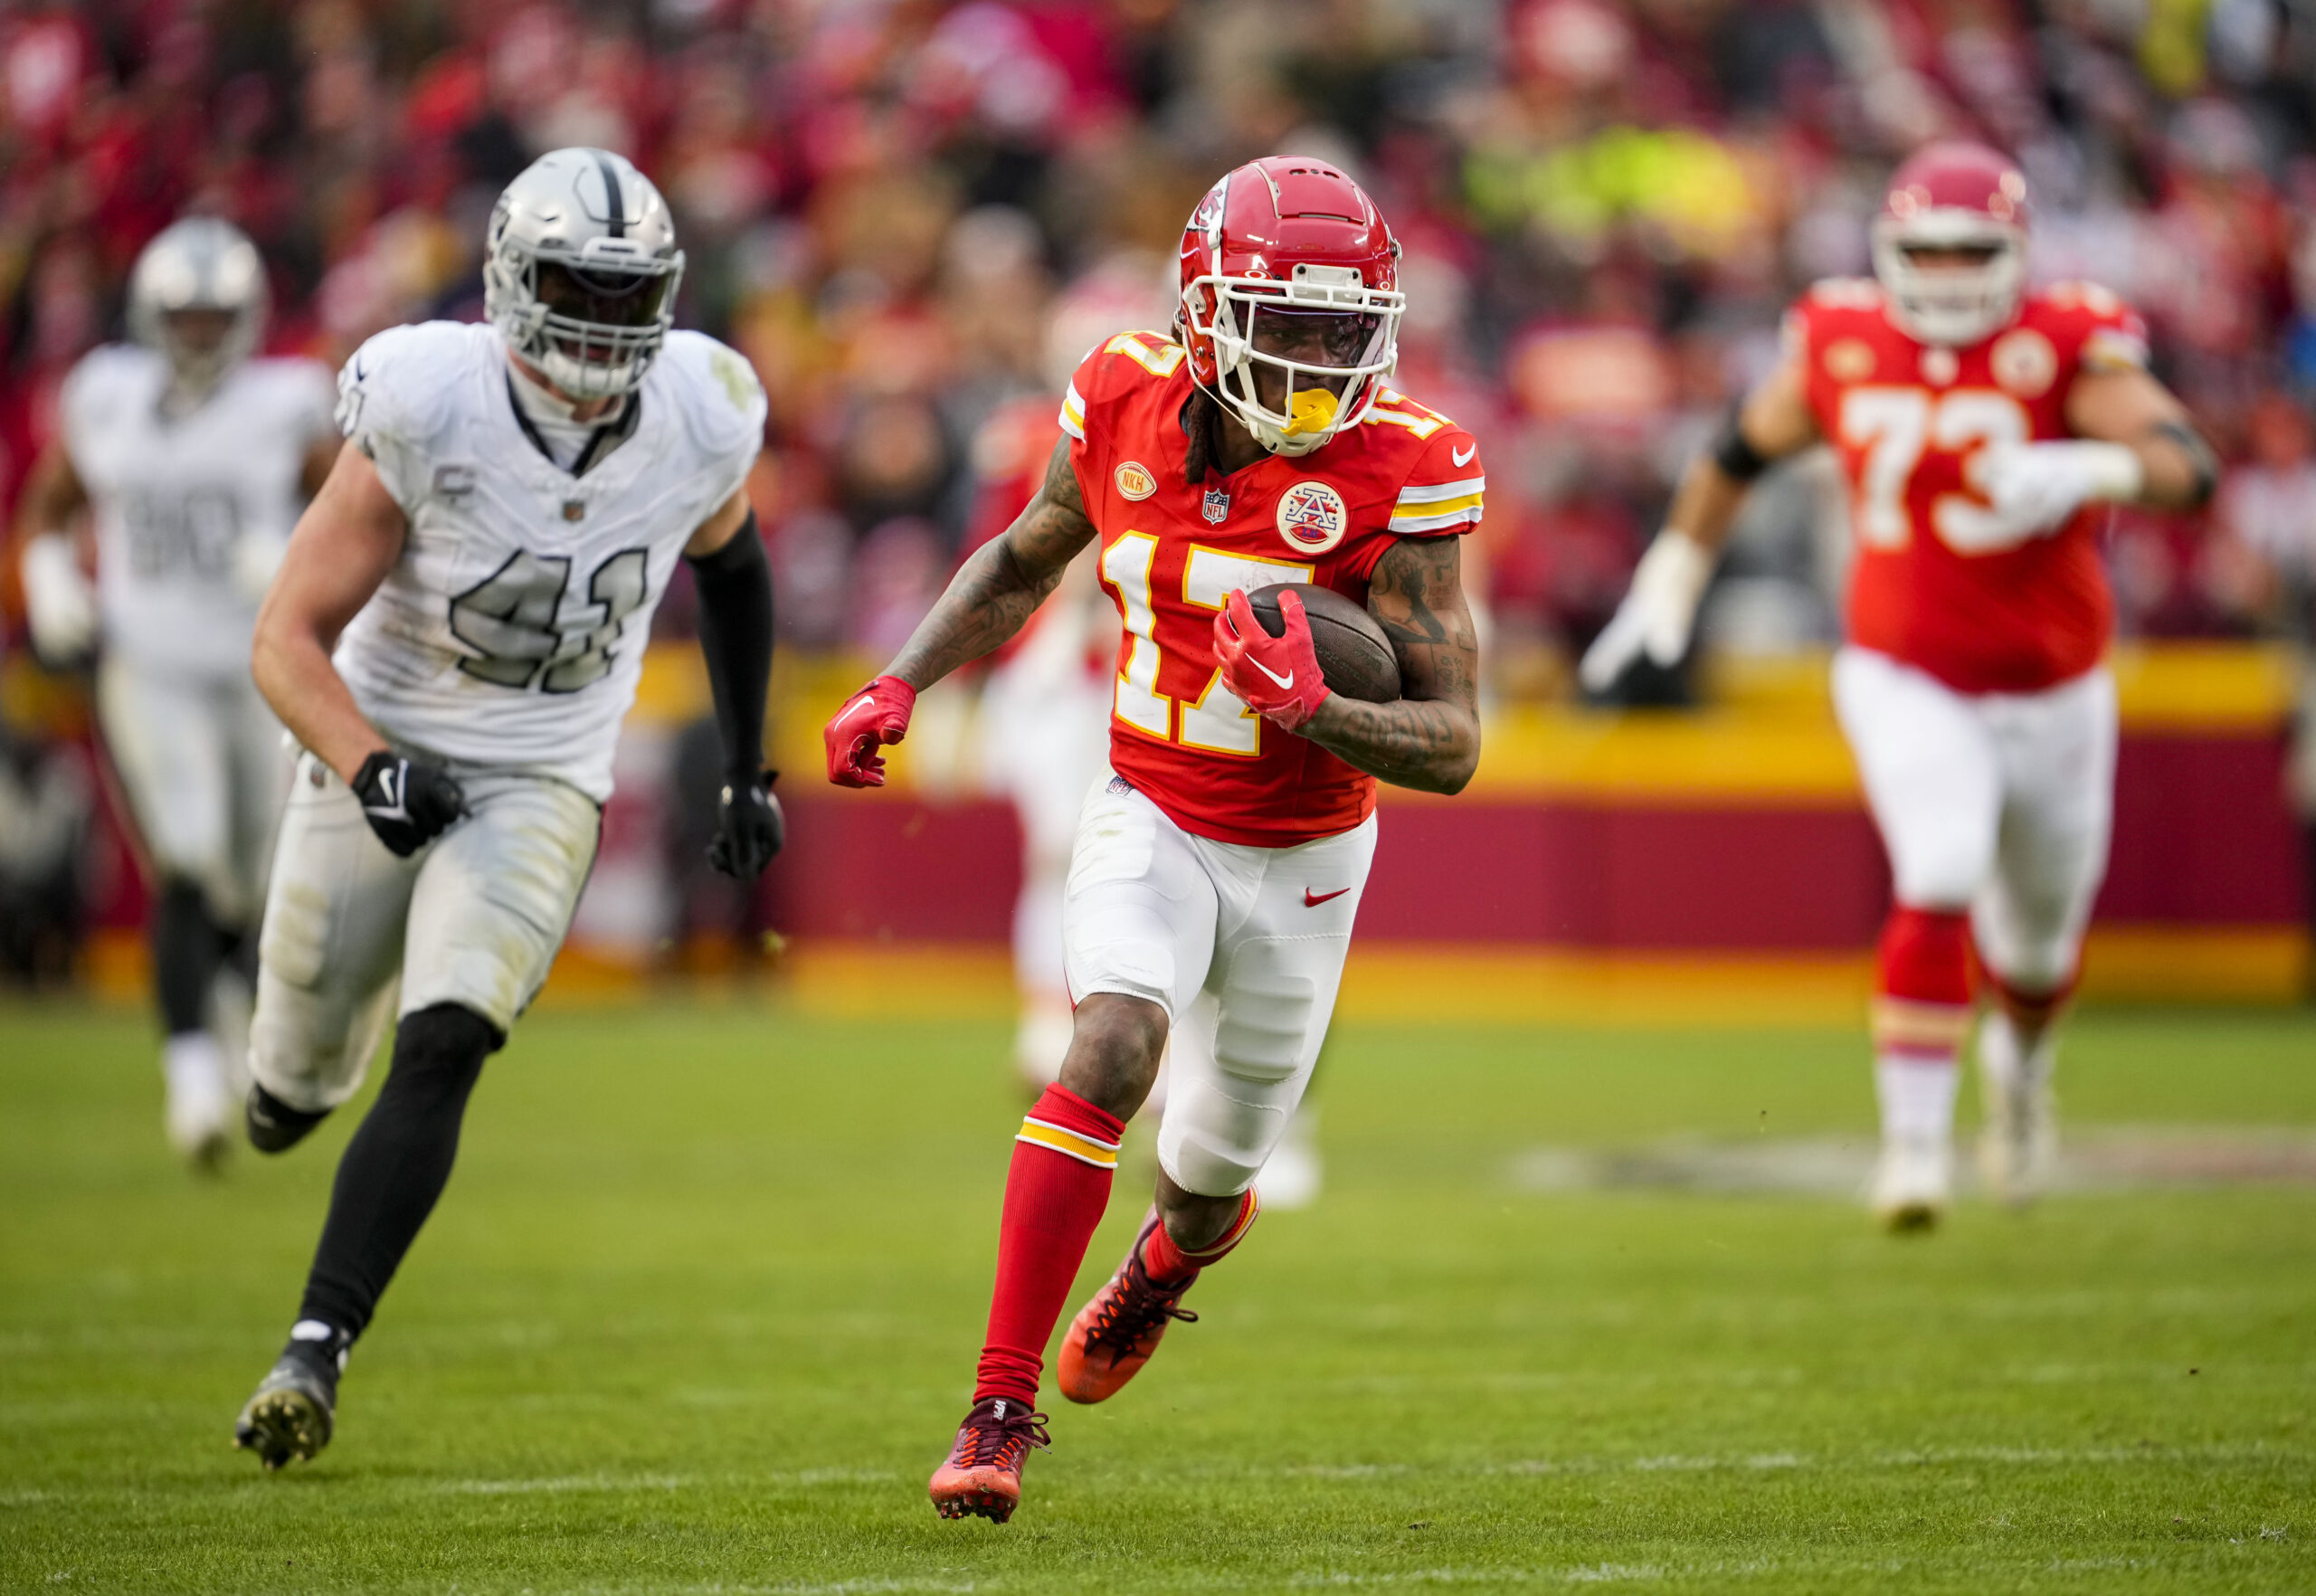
{"points": [[408, 804], [749, 828]]}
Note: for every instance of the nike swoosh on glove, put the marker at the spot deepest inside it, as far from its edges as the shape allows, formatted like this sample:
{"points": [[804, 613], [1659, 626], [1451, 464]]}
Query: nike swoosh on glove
{"points": [[408, 804], [876, 715], [749, 827], [1275, 676]]}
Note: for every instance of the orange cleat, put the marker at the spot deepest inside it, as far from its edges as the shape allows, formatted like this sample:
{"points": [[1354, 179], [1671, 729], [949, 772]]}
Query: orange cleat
{"points": [[982, 1476], [1114, 1335]]}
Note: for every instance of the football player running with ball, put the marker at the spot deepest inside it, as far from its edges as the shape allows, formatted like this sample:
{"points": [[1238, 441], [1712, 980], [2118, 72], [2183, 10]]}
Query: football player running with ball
{"points": [[455, 635], [192, 459], [1225, 848], [1983, 429]]}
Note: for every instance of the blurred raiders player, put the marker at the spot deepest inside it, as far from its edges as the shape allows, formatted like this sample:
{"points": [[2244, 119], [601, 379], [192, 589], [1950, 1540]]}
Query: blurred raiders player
{"points": [[457, 630], [191, 460]]}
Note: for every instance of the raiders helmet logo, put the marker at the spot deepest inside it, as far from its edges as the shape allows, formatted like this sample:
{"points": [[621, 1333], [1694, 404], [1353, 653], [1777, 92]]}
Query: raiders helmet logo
{"points": [[1312, 518]]}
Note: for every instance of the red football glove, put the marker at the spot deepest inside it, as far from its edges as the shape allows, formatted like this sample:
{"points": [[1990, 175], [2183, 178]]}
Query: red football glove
{"points": [[876, 715], [1275, 676]]}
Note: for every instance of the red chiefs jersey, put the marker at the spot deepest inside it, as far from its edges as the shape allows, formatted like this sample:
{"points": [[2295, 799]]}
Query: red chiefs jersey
{"points": [[1908, 420], [1171, 551]]}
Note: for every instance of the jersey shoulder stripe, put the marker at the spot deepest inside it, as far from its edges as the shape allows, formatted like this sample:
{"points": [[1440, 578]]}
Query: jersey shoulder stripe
{"points": [[1433, 506]]}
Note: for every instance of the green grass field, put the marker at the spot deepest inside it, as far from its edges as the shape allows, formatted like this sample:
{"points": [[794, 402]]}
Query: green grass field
{"points": [[699, 1311]]}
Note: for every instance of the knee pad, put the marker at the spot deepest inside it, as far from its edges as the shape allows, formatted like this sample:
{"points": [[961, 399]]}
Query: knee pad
{"points": [[1924, 956]]}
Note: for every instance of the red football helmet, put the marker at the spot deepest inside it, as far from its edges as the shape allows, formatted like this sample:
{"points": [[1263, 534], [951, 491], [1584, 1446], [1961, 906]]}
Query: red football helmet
{"points": [[1960, 197], [1287, 266]]}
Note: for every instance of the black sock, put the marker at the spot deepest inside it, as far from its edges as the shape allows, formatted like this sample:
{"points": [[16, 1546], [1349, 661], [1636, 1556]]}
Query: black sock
{"points": [[187, 948], [396, 1165]]}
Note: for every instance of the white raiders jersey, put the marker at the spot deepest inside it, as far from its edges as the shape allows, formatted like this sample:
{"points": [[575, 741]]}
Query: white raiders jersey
{"points": [[510, 634], [172, 498]]}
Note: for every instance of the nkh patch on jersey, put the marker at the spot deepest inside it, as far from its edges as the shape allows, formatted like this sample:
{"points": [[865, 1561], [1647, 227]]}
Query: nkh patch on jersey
{"points": [[1938, 582], [173, 497], [1172, 550], [510, 634]]}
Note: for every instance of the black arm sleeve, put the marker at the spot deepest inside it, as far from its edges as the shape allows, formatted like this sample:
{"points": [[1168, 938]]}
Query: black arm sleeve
{"points": [[1739, 459], [734, 586]]}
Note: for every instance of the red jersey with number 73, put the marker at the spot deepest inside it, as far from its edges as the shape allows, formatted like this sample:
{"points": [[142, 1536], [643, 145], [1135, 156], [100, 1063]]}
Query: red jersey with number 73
{"points": [[1937, 582], [1172, 549]]}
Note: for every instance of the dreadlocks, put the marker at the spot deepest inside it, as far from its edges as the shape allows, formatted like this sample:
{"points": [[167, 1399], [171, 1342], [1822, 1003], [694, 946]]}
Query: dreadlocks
{"points": [[1200, 415]]}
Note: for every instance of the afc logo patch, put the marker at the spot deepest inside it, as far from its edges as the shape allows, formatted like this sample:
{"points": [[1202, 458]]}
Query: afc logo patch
{"points": [[2023, 363], [1134, 481], [1312, 518]]}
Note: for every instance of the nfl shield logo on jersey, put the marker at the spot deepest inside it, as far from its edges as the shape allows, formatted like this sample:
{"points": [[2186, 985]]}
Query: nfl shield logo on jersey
{"points": [[1217, 507], [1312, 518]]}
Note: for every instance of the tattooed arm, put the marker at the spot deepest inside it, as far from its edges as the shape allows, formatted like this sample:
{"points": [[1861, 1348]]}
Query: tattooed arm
{"points": [[1429, 740], [1002, 582]]}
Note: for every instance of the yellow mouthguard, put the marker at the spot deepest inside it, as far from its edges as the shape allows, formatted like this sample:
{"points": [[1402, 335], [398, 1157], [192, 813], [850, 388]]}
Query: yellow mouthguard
{"points": [[1313, 411]]}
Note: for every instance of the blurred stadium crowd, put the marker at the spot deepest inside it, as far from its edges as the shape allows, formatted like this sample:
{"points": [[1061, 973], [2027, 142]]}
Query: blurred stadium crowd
{"points": [[913, 216], [904, 212]]}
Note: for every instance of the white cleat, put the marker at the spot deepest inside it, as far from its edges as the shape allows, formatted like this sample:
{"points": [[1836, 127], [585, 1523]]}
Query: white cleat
{"points": [[201, 1109], [2018, 1145], [1913, 1183], [1294, 1175]]}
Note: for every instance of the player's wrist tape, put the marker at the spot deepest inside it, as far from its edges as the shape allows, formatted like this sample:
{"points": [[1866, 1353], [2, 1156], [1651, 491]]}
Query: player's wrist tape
{"points": [[2199, 455]]}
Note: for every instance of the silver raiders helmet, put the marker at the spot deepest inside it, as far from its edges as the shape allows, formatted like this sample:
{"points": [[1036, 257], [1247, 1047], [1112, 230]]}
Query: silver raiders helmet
{"points": [[197, 294], [580, 270]]}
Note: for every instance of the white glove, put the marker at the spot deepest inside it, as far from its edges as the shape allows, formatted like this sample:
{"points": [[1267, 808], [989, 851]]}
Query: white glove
{"points": [[2035, 488], [59, 602], [256, 557], [1658, 613]]}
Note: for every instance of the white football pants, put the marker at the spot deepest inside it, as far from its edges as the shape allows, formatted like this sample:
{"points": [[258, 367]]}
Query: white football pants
{"points": [[475, 917], [203, 760], [1153, 912], [2000, 803]]}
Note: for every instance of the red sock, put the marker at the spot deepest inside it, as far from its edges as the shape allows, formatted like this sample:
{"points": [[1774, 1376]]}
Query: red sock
{"points": [[1921, 1005], [1063, 1159], [1168, 1263]]}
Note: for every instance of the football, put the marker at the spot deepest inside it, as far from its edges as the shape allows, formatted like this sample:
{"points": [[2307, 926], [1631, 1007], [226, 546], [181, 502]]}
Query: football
{"points": [[1354, 656]]}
